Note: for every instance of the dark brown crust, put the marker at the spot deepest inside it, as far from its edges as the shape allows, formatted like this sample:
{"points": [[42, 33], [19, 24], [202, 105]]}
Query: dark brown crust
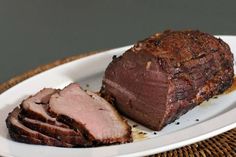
{"points": [[178, 47], [23, 138], [67, 136], [31, 140], [27, 112], [32, 137], [36, 116], [205, 62], [197, 67], [77, 126]]}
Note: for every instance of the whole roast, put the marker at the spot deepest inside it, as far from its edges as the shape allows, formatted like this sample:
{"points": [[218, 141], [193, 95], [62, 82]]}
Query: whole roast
{"points": [[166, 75]]}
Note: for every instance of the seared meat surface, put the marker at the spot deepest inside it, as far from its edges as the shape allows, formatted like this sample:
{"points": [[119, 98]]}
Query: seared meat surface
{"points": [[36, 106], [167, 74], [67, 118], [21, 133]]}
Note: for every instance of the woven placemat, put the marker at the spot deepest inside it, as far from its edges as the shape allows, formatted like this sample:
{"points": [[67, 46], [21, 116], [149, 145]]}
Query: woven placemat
{"points": [[221, 145]]}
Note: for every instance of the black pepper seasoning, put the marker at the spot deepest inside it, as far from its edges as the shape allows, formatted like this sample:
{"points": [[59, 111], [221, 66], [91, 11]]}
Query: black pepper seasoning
{"points": [[114, 57], [157, 42]]}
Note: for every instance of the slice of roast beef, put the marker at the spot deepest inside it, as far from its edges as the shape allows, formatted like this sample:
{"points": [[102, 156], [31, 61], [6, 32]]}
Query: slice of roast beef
{"points": [[167, 74], [35, 117], [35, 107], [66, 135], [91, 114], [21, 133], [25, 139]]}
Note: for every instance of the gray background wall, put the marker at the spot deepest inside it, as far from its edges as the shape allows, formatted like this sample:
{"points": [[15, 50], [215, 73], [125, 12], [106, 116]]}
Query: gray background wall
{"points": [[38, 32]]}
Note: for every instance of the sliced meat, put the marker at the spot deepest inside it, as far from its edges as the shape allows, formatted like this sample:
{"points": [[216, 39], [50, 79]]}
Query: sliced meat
{"points": [[35, 107], [35, 117], [21, 133], [25, 139], [66, 135], [91, 114], [167, 74], [33, 124]]}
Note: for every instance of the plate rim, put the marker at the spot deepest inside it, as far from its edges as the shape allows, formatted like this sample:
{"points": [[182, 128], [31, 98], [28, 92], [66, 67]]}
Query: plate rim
{"points": [[219, 131]]}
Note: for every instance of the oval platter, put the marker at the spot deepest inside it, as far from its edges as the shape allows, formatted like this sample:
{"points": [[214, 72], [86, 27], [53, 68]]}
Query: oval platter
{"points": [[211, 118]]}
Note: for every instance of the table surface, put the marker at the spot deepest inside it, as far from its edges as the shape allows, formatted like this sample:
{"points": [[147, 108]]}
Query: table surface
{"points": [[37, 32]]}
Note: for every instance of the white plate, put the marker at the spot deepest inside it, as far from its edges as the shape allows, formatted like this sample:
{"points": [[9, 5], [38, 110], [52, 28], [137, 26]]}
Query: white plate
{"points": [[215, 116]]}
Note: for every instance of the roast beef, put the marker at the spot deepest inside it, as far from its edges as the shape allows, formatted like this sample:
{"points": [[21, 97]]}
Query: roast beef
{"points": [[64, 134], [21, 133], [32, 123], [167, 74], [34, 115], [36, 106], [90, 114]]}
